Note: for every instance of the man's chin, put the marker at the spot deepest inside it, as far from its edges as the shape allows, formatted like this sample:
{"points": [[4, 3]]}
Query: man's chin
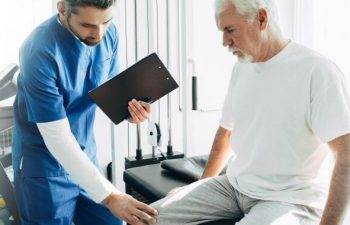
{"points": [[245, 59], [242, 57]]}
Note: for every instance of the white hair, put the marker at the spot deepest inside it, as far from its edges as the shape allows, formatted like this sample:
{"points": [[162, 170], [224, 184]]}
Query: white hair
{"points": [[249, 9]]}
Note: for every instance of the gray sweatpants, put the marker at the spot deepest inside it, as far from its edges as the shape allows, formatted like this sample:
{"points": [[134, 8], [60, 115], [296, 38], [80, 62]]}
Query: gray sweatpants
{"points": [[215, 198]]}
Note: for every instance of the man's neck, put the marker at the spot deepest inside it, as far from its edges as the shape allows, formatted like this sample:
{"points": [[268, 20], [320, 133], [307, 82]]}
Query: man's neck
{"points": [[273, 45]]}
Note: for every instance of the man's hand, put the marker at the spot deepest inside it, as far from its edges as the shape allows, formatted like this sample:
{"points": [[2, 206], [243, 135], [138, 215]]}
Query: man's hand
{"points": [[139, 111], [129, 209]]}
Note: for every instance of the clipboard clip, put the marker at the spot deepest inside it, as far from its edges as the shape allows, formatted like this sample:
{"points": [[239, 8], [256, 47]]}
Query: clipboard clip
{"points": [[148, 100]]}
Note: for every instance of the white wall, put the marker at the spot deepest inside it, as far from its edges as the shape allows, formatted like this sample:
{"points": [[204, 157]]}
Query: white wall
{"points": [[17, 20]]}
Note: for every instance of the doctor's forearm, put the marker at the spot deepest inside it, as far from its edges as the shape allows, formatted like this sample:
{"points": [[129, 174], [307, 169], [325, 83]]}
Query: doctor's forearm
{"points": [[66, 150]]}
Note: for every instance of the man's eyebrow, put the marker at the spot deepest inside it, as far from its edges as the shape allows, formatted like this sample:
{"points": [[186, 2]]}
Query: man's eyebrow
{"points": [[227, 28]]}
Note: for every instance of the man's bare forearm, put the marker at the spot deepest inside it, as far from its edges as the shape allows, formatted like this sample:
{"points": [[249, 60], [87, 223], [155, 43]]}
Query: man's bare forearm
{"points": [[339, 192], [219, 153]]}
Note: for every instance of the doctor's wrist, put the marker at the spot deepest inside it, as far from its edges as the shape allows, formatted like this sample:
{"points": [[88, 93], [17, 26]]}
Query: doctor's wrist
{"points": [[111, 197]]}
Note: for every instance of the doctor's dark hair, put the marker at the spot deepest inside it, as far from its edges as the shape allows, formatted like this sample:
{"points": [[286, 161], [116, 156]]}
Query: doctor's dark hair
{"points": [[71, 5]]}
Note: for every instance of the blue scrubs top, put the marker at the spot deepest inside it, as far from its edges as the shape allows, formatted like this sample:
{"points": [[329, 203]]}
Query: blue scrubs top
{"points": [[57, 71]]}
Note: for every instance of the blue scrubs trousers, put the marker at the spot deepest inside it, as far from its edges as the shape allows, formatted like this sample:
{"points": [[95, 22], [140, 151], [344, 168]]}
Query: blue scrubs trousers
{"points": [[58, 200]]}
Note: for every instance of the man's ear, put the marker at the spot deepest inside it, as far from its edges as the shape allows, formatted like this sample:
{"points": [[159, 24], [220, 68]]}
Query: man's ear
{"points": [[262, 18]]}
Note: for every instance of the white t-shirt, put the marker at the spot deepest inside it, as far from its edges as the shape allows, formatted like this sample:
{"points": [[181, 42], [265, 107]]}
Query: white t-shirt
{"points": [[280, 113]]}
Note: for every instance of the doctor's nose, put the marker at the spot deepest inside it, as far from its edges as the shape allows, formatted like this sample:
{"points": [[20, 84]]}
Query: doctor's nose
{"points": [[99, 32]]}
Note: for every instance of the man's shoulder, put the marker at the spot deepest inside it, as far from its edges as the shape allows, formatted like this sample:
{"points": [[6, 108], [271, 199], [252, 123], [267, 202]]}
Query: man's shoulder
{"points": [[306, 54], [320, 66], [301, 57]]}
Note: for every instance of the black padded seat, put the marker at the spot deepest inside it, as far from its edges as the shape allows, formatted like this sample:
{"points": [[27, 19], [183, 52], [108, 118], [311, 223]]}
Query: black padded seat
{"points": [[153, 182]]}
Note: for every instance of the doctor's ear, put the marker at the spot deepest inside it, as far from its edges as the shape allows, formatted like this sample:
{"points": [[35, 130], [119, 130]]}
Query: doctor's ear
{"points": [[60, 8]]}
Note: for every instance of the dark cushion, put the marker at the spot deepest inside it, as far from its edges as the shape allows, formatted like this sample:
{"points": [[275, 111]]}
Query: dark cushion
{"points": [[152, 181], [190, 169]]}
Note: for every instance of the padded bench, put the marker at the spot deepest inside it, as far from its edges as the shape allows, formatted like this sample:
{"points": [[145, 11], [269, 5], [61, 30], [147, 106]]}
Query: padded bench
{"points": [[152, 183]]}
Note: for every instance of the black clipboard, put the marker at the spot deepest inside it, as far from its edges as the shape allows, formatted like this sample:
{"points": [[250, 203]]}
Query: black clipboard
{"points": [[147, 80]]}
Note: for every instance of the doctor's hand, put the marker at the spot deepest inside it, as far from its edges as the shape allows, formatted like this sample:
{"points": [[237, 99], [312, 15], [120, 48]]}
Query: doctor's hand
{"points": [[129, 209], [139, 111]]}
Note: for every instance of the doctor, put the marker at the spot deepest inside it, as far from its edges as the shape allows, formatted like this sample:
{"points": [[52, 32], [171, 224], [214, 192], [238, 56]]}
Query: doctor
{"points": [[57, 180]]}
